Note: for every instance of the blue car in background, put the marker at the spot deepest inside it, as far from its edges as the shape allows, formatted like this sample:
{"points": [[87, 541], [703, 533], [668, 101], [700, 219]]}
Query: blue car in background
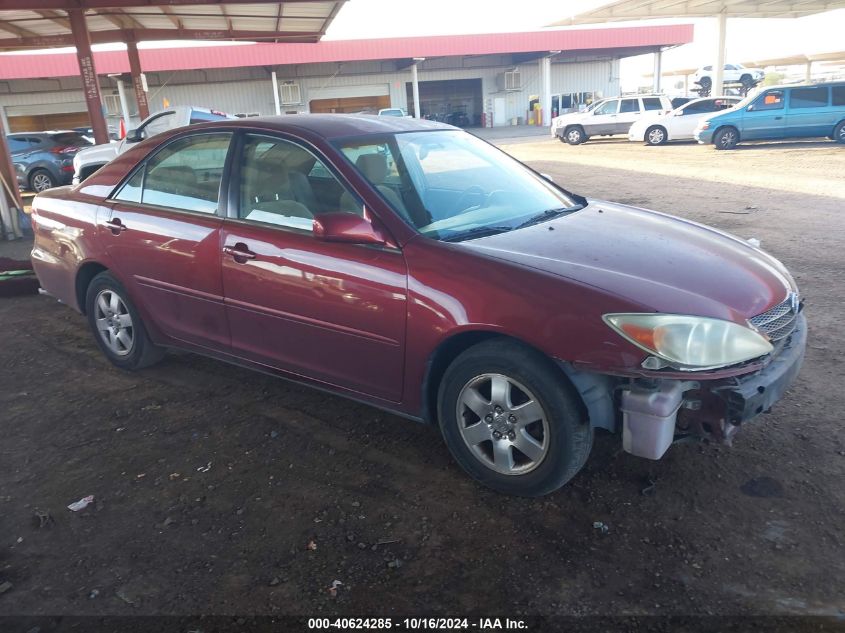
{"points": [[779, 112], [44, 159]]}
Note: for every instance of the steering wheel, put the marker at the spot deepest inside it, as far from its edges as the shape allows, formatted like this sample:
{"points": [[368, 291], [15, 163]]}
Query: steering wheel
{"points": [[475, 190]]}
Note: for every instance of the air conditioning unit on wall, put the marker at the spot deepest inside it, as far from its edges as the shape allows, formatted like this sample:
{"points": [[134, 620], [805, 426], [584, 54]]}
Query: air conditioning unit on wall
{"points": [[509, 80], [290, 93]]}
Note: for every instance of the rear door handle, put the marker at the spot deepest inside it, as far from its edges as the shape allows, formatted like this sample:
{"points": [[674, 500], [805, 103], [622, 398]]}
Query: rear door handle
{"points": [[239, 252], [115, 226], [778, 118]]}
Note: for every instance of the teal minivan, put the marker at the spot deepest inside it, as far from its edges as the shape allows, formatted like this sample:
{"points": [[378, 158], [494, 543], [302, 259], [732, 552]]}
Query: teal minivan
{"points": [[779, 112]]}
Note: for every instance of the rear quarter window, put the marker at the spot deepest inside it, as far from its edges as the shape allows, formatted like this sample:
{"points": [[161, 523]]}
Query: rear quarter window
{"points": [[838, 95], [815, 97], [70, 138]]}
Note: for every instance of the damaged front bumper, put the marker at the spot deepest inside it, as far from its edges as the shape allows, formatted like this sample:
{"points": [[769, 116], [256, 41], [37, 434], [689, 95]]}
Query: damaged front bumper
{"points": [[658, 411]]}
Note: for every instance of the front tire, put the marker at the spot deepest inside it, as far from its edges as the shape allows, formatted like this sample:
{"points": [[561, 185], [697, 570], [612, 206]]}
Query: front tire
{"points": [[726, 138], [656, 135], [511, 420], [575, 135], [839, 133], [117, 326]]}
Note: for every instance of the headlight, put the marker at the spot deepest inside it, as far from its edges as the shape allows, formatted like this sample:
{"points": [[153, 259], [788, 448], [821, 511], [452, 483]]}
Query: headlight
{"points": [[689, 342]]}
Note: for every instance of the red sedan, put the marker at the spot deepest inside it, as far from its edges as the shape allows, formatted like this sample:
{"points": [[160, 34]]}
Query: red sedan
{"points": [[412, 266]]}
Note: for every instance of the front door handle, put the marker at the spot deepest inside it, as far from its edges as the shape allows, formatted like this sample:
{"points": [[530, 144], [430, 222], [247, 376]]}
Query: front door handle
{"points": [[239, 252], [778, 118], [115, 226]]}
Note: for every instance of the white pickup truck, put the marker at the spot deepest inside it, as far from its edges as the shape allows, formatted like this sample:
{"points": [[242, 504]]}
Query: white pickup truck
{"points": [[89, 160]]}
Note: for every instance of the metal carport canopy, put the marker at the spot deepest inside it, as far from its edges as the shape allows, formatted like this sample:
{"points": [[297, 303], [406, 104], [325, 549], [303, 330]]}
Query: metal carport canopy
{"points": [[37, 24], [627, 10]]}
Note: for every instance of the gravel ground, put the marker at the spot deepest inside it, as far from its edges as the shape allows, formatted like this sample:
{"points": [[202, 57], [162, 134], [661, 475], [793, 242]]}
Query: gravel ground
{"points": [[223, 491]]}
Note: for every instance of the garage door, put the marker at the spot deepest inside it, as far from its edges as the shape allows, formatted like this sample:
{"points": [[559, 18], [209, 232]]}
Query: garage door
{"points": [[350, 104], [39, 122], [455, 101]]}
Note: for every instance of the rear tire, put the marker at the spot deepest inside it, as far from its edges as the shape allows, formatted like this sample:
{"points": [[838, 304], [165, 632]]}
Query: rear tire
{"points": [[706, 84], [41, 180], [656, 135], [575, 135], [117, 326], [511, 420], [726, 138], [839, 133]]}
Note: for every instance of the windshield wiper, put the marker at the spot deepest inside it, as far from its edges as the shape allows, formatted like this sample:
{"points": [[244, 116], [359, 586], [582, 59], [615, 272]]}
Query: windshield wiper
{"points": [[549, 214], [478, 231]]}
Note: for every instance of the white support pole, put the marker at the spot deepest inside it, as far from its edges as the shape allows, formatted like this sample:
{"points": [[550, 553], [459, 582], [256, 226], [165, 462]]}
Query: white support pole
{"points": [[719, 69], [658, 70], [275, 82], [415, 85], [546, 89], [4, 118], [808, 71], [124, 104], [686, 85]]}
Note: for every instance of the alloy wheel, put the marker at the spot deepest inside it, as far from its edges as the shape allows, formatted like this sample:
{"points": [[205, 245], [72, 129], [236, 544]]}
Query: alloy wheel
{"points": [[727, 139], [114, 323], [503, 424], [574, 136], [656, 136], [41, 182]]}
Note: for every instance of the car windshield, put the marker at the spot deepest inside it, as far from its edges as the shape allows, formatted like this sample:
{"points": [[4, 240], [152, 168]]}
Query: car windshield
{"points": [[752, 94], [452, 186]]}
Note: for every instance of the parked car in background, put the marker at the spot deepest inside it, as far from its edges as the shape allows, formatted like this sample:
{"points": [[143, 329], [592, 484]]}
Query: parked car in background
{"points": [[44, 159], [88, 133], [779, 112], [677, 102], [608, 117], [87, 162], [680, 123], [392, 112], [410, 265], [736, 74]]}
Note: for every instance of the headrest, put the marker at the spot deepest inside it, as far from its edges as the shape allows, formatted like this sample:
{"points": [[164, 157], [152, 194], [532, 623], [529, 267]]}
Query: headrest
{"points": [[373, 166]]}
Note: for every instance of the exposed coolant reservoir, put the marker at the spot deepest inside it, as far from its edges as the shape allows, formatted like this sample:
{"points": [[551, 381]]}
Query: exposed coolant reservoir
{"points": [[648, 417]]}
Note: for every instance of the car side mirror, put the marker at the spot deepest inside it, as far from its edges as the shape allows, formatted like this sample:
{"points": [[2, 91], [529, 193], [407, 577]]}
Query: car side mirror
{"points": [[750, 107], [135, 135], [344, 226]]}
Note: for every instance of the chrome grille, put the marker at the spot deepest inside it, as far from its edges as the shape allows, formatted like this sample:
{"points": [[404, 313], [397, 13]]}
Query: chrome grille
{"points": [[777, 322]]}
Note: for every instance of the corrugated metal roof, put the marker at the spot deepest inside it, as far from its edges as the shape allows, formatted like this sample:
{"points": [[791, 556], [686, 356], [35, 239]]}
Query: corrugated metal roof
{"points": [[25, 23], [170, 59]]}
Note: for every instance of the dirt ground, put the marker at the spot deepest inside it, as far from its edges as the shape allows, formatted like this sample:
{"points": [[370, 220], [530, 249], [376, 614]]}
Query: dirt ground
{"points": [[211, 481]]}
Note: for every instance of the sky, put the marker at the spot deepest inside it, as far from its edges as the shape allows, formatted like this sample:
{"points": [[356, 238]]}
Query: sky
{"points": [[748, 39]]}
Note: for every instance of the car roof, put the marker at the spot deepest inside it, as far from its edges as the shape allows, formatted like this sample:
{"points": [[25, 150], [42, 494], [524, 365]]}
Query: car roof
{"points": [[335, 125]]}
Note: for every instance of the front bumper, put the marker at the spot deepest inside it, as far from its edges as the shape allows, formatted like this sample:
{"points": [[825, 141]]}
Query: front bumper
{"points": [[704, 137], [636, 135], [657, 412]]}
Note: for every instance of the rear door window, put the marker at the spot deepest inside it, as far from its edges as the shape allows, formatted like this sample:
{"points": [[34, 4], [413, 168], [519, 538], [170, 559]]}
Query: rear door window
{"points": [[629, 105], [815, 97], [185, 175]]}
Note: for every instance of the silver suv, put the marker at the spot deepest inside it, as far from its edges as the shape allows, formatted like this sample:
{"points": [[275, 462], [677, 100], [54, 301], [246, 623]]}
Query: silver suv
{"points": [[608, 117]]}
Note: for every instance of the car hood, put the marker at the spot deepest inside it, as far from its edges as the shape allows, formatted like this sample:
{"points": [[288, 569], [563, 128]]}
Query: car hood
{"points": [[663, 263]]}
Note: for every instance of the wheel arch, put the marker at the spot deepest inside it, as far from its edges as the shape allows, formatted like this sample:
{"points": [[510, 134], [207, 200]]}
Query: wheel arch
{"points": [[84, 275], [594, 391], [722, 127]]}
